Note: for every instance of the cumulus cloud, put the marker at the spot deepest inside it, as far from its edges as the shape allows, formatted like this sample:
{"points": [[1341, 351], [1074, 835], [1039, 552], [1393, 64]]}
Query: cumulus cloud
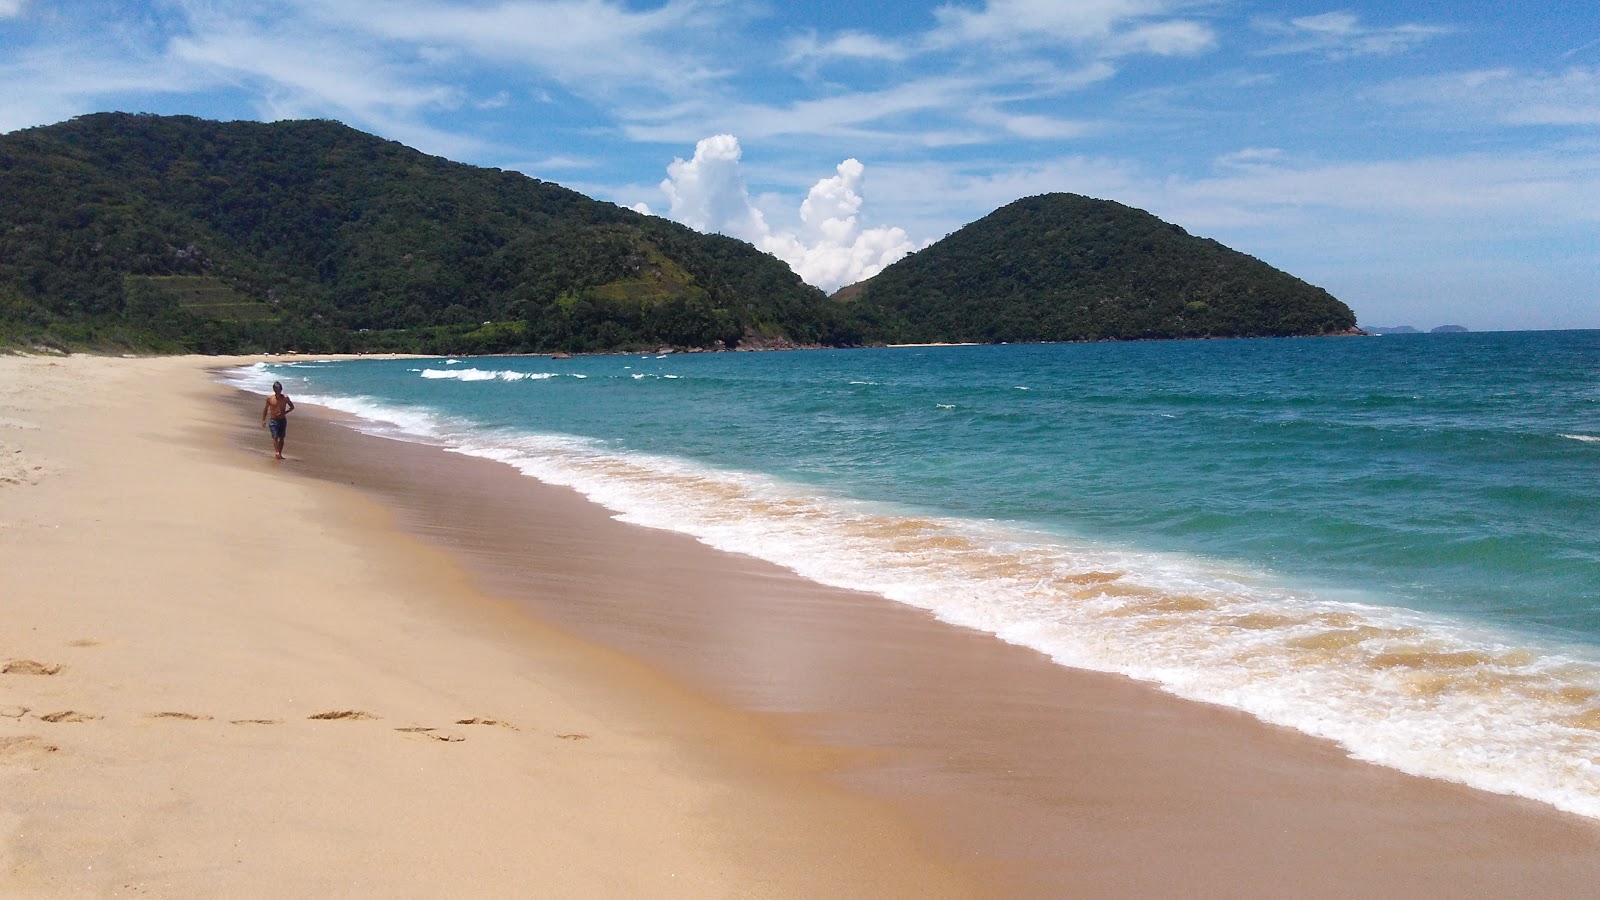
{"points": [[828, 249], [10, 9]]}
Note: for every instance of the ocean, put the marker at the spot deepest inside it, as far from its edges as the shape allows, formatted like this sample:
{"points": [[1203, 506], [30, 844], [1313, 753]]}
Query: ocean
{"points": [[1390, 542]]}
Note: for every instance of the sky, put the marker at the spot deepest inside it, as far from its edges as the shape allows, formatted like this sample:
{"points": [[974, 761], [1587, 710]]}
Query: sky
{"points": [[1427, 163]]}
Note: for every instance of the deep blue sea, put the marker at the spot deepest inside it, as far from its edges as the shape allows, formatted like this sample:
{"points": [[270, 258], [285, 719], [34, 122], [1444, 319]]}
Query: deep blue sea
{"points": [[1392, 542]]}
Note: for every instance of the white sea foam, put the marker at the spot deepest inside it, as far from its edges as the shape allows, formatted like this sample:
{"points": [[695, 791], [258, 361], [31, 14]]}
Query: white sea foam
{"points": [[1419, 693], [254, 377], [1586, 438], [378, 418], [486, 375]]}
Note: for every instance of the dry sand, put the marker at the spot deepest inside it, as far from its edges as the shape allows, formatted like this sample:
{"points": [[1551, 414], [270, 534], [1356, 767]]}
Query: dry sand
{"points": [[203, 603], [220, 679]]}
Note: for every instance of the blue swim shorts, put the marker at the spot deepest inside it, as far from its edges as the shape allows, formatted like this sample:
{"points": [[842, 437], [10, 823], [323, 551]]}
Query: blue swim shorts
{"points": [[278, 427]]}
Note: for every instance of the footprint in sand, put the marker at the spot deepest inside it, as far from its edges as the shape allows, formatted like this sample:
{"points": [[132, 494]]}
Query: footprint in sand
{"points": [[69, 715], [478, 720], [345, 714], [29, 667], [573, 737], [432, 734], [192, 717], [83, 642], [13, 712], [24, 749], [255, 721]]}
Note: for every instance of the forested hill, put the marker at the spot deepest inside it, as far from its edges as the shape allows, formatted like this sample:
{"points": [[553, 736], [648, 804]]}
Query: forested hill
{"points": [[174, 233], [1060, 267], [182, 233]]}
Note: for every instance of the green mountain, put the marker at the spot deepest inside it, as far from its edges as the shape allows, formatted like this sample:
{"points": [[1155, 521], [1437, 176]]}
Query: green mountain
{"points": [[1060, 267], [175, 233], [182, 233]]}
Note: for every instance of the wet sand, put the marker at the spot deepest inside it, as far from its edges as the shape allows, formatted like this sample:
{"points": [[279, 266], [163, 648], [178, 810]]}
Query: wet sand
{"points": [[220, 679], [381, 669], [1039, 780]]}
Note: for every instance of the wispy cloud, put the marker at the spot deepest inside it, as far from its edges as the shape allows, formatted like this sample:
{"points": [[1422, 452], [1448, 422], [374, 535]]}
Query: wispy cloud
{"points": [[1569, 98], [296, 71], [930, 111], [48, 85], [854, 45], [10, 9], [1269, 196], [1171, 38], [1049, 21], [590, 46], [1582, 48], [1341, 35], [861, 115]]}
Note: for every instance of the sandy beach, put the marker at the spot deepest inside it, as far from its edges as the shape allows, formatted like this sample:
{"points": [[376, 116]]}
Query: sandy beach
{"points": [[377, 668], [220, 679]]}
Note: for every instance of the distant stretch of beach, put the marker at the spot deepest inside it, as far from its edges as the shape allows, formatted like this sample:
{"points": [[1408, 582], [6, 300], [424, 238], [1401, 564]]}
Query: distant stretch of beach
{"points": [[380, 669]]}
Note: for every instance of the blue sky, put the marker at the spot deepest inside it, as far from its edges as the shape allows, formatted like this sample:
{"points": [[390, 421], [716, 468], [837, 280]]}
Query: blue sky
{"points": [[1428, 163]]}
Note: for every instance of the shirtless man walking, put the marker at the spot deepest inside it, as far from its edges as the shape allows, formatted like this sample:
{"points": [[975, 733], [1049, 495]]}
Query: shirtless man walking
{"points": [[275, 416]]}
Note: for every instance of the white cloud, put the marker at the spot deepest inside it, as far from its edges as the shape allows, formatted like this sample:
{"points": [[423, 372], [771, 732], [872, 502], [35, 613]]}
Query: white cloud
{"points": [[54, 84], [1250, 158], [853, 115], [846, 45], [10, 9], [1006, 20], [1174, 38], [559, 161], [1570, 98], [1340, 35], [930, 111], [591, 46], [707, 193], [829, 249], [296, 69], [500, 100], [1102, 27]]}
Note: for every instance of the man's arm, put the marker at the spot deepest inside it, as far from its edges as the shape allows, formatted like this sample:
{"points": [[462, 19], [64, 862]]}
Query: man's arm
{"points": [[288, 405], [265, 407]]}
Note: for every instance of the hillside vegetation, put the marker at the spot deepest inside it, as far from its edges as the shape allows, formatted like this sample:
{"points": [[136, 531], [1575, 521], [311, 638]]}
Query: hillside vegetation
{"points": [[172, 233], [1060, 267], [191, 234]]}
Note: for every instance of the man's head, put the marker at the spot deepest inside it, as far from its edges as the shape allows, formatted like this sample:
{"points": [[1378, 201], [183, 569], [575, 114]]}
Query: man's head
{"points": [[277, 387]]}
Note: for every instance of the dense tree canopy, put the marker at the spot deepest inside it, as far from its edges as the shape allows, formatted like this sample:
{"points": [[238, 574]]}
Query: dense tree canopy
{"points": [[318, 235], [175, 233], [1060, 267]]}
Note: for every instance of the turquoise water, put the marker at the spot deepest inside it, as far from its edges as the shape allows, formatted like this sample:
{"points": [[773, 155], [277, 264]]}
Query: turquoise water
{"points": [[1393, 542]]}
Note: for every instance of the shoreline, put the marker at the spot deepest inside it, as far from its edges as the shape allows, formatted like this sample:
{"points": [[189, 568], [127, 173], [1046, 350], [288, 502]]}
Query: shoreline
{"points": [[222, 678], [996, 760], [782, 737]]}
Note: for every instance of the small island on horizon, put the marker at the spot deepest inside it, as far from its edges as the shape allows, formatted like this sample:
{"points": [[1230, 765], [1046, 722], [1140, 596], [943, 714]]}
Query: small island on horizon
{"points": [[1407, 329]]}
